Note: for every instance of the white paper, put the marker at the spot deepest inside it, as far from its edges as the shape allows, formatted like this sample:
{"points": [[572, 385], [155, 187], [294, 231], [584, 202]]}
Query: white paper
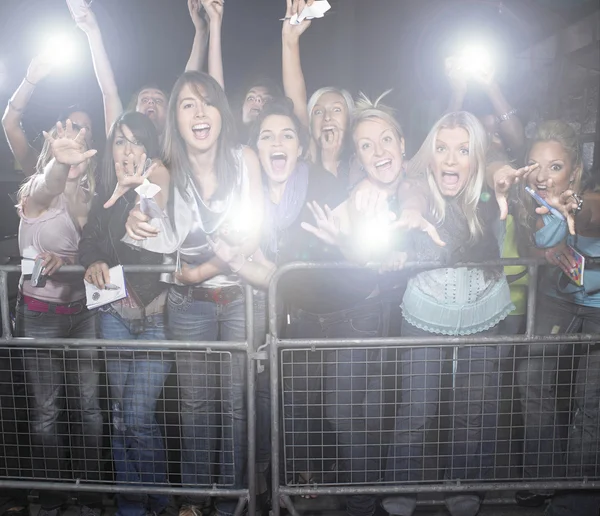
{"points": [[95, 297], [316, 10], [28, 260], [148, 204]]}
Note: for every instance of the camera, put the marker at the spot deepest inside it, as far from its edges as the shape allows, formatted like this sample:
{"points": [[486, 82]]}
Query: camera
{"points": [[38, 278]]}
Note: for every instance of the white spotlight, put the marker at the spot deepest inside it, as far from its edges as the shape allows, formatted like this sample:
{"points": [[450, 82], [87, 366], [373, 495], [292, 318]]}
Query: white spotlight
{"points": [[60, 49], [475, 58]]}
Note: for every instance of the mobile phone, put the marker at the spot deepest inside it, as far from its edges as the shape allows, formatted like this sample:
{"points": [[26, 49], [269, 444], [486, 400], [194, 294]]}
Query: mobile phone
{"points": [[77, 7], [543, 203], [38, 279]]}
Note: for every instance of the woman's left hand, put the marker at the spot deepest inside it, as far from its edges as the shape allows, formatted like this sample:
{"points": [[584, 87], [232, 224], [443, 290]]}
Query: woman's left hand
{"points": [[503, 180], [188, 275], [565, 202], [214, 10], [223, 250], [327, 226], [132, 175], [561, 257]]}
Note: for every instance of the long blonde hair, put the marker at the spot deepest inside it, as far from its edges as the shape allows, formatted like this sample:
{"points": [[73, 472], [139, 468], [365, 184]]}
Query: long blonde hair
{"points": [[87, 179], [470, 195]]}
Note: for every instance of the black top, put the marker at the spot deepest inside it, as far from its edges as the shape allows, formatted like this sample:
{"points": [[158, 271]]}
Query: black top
{"points": [[101, 241], [319, 291]]}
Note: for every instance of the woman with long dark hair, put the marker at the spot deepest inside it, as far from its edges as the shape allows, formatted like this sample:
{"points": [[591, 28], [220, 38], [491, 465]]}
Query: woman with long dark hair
{"points": [[136, 378], [216, 191]]}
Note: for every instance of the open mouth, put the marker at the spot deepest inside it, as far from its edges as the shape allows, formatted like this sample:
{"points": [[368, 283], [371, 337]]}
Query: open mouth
{"points": [[450, 178], [383, 165], [278, 161], [542, 190], [201, 131], [150, 113]]}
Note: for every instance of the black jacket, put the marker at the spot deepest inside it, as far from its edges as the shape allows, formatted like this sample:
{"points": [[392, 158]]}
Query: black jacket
{"points": [[101, 241]]}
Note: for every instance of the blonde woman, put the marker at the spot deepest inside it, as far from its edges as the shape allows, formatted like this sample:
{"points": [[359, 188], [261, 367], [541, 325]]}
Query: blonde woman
{"points": [[53, 206]]}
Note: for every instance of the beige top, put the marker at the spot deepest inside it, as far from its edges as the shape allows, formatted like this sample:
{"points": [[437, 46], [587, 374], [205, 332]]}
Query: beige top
{"points": [[53, 231]]}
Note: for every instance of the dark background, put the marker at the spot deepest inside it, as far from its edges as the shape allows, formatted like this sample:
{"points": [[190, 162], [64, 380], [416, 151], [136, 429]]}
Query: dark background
{"points": [[362, 45]]}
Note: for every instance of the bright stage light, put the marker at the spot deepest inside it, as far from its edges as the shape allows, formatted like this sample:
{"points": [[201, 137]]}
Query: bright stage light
{"points": [[60, 49], [475, 58]]}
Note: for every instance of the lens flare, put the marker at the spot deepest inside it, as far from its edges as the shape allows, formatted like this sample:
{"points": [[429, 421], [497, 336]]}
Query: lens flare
{"points": [[475, 58], [60, 49]]}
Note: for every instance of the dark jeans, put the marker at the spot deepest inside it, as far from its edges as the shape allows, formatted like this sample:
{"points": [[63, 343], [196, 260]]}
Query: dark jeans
{"points": [[353, 395], [60, 383], [537, 372], [211, 384], [136, 382], [474, 410]]}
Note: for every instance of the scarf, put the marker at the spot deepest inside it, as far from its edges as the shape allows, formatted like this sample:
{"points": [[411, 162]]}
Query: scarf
{"points": [[279, 217]]}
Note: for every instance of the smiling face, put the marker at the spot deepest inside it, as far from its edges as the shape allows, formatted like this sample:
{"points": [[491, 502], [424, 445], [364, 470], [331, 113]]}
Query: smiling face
{"points": [[198, 121], [254, 102], [153, 103], [555, 171], [379, 148], [329, 114], [451, 165], [278, 147]]}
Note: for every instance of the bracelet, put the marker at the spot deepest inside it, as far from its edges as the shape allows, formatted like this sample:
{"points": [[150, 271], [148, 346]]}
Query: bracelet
{"points": [[12, 106], [235, 271], [32, 83], [506, 116]]}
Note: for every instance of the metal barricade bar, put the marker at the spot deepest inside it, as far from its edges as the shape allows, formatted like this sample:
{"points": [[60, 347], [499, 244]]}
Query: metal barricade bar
{"points": [[282, 491], [246, 497]]}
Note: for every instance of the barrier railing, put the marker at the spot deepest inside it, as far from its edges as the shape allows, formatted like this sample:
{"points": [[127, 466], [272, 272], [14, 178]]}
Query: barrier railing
{"points": [[323, 367], [17, 457]]}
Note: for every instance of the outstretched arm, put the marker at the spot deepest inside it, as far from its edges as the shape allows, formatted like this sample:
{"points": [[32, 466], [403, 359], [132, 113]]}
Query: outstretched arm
{"points": [[214, 11], [113, 107], [196, 60], [294, 85], [23, 152]]}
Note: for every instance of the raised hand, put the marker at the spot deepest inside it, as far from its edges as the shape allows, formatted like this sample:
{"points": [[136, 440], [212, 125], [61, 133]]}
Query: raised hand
{"points": [[503, 180], [66, 149], [131, 175], [40, 67], [327, 226], [198, 14], [214, 10], [87, 20], [295, 7], [413, 219]]}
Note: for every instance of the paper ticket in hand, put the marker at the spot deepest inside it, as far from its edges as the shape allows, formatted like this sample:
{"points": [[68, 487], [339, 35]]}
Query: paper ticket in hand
{"points": [[316, 10], [115, 290], [148, 205]]}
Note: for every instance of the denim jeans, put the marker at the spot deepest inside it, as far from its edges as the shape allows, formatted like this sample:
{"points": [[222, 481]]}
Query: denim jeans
{"points": [[136, 381], [353, 396], [537, 381], [211, 384], [59, 383], [474, 410]]}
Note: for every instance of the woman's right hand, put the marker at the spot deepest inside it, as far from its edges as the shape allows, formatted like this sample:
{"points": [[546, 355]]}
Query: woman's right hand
{"points": [[87, 21], [413, 219], [456, 76], [40, 67], [214, 10], [132, 175], [293, 7], [138, 225], [98, 274], [66, 149], [503, 180], [198, 15]]}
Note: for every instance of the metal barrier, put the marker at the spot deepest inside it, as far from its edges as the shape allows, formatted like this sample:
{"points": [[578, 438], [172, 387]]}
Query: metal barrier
{"points": [[322, 367], [21, 468]]}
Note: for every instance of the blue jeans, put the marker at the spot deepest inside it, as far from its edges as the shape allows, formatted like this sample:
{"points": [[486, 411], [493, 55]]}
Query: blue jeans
{"points": [[135, 384], [537, 381], [474, 410], [353, 395], [60, 382], [211, 384]]}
